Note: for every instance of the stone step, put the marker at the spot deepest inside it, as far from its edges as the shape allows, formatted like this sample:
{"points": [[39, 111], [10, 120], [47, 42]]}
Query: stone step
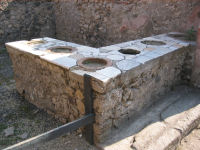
{"points": [[160, 127]]}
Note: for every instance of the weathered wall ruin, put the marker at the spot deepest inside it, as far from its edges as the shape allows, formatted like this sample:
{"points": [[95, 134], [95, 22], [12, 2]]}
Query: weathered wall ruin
{"points": [[94, 22], [104, 22], [25, 19]]}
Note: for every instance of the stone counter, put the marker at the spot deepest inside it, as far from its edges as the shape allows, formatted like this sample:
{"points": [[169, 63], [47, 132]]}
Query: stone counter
{"points": [[137, 73]]}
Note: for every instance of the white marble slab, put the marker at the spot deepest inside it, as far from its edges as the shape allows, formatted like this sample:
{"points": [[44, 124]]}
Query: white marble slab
{"points": [[111, 72], [127, 64]]}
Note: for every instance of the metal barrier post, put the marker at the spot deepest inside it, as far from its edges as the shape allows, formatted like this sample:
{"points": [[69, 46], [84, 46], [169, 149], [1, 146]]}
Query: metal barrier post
{"points": [[88, 100]]}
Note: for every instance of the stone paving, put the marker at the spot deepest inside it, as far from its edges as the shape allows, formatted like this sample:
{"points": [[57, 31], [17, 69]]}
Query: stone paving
{"points": [[163, 126], [191, 141]]}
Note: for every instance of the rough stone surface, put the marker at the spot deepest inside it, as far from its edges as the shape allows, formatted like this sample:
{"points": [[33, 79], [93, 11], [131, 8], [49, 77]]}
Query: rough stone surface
{"points": [[55, 95], [162, 126], [26, 19], [139, 86], [191, 142], [100, 23], [9, 131], [23, 136], [92, 22]]}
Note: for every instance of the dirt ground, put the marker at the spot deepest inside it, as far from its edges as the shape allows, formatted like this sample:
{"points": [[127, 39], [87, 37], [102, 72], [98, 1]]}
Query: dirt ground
{"points": [[26, 119]]}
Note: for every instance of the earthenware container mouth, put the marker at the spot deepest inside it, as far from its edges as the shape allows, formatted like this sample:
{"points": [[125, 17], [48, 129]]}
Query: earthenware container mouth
{"points": [[176, 35], [179, 36], [93, 63], [62, 49], [129, 51], [152, 42], [36, 42]]}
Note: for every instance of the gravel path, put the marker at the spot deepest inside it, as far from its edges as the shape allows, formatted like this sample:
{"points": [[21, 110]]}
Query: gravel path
{"points": [[25, 119]]}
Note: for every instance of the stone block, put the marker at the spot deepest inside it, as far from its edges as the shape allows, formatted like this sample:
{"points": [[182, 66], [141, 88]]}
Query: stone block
{"points": [[155, 137], [60, 60]]}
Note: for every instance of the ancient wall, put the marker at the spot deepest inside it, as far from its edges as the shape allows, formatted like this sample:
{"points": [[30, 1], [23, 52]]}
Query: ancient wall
{"points": [[58, 95], [94, 22], [24, 19], [104, 22]]}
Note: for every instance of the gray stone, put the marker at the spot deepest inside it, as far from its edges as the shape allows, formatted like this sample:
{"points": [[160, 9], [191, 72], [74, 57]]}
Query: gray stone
{"points": [[9, 131], [185, 118], [150, 132], [23, 136]]}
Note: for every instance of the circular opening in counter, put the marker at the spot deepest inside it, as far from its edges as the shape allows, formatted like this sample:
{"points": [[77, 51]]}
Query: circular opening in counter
{"points": [[129, 51], [176, 35], [151, 42], [91, 63], [62, 49], [184, 36], [34, 42], [180, 36]]}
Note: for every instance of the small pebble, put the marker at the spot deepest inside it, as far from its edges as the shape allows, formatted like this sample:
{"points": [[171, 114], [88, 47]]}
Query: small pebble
{"points": [[9, 131], [23, 136]]}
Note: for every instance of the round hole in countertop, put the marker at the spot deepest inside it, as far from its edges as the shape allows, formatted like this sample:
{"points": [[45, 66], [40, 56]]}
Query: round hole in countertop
{"points": [[180, 36], [93, 63], [152, 42], [129, 51], [62, 49]]}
